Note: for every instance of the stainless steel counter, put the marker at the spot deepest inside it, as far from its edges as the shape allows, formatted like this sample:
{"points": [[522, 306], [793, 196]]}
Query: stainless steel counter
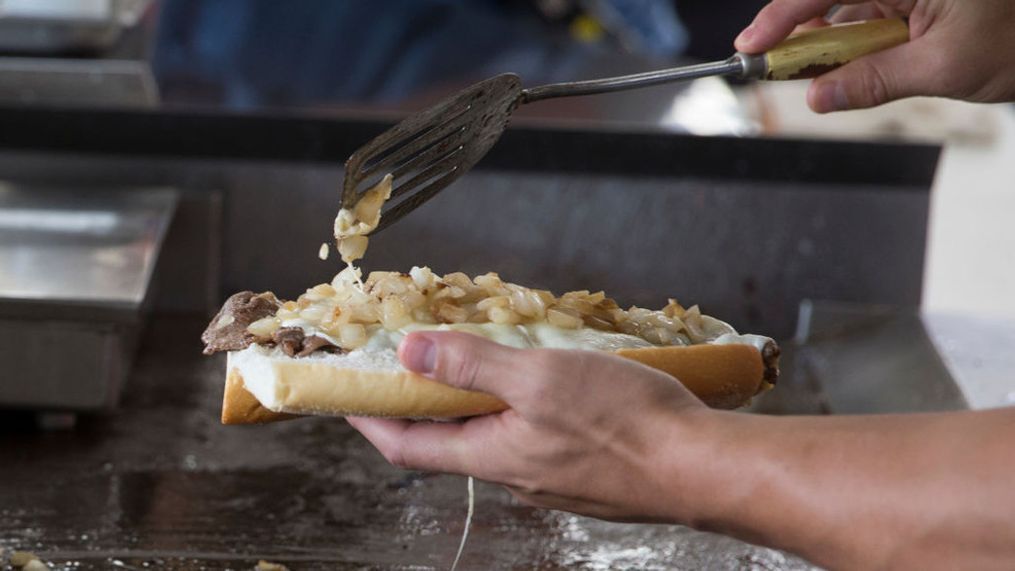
{"points": [[862, 358], [979, 352]]}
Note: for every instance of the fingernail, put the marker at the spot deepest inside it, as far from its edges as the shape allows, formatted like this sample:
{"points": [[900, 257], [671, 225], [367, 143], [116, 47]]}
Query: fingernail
{"points": [[746, 35], [831, 96], [419, 354]]}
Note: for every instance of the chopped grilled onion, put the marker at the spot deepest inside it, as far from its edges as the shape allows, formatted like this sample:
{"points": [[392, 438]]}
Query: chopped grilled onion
{"points": [[264, 328], [343, 309]]}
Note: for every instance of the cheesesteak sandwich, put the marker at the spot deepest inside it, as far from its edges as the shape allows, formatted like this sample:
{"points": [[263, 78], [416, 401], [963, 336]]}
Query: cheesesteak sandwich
{"points": [[333, 351]]}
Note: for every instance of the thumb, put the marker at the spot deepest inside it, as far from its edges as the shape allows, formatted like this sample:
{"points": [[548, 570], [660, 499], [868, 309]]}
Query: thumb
{"points": [[464, 361], [873, 80]]}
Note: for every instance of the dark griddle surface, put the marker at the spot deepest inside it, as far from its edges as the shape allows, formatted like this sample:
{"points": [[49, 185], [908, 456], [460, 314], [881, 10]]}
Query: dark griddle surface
{"points": [[162, 485]]}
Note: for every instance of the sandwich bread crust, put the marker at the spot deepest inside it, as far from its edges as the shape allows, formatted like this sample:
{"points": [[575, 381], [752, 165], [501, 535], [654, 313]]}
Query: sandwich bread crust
{"points": [[723, 376]]}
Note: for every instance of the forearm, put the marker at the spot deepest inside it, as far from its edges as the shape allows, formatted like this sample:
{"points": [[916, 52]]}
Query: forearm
{"points": [[855, 492]]}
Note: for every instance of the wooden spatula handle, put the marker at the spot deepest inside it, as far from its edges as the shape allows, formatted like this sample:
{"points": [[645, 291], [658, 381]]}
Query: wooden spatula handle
{"points": [[814, 52]]}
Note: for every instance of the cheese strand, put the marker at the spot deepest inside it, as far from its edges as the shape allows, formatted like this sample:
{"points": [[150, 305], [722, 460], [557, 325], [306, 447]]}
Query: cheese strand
{"points": [[468, 523]]}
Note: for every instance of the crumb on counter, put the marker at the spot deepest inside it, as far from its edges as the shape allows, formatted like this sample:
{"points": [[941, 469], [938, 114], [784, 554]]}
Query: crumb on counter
{"points": [[26, 560]]}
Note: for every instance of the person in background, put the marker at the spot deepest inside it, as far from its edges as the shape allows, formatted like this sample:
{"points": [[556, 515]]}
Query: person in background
{"points": [[597, 435], [264, 53]]}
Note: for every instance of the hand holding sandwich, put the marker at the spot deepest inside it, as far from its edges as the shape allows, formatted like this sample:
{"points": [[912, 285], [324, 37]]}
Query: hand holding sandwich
{"points": [[958, 49], [599, 435], [602, 417]]}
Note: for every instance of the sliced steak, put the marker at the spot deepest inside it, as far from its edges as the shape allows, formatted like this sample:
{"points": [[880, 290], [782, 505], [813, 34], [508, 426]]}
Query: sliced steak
{"points": [[290, 339], [228, 330], [770, 357], [295, 343], [313, 343]]}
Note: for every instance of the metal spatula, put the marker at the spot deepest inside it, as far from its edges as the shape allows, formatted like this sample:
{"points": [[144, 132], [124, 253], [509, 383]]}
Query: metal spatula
{"points": [[429, 150]]}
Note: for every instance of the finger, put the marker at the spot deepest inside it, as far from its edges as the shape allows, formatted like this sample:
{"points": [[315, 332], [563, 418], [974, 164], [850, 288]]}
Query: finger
{"points": [[894, 8], [467, 362], [812, 24], [777, 20], [857, 13], [875, 79], [428, 446]]}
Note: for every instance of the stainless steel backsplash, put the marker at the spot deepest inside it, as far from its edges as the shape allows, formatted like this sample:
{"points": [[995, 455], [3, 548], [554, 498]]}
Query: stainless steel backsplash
{"points": [[746, 251]]}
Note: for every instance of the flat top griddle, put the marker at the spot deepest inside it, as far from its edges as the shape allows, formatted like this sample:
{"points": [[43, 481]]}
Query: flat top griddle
{"points": [[163, 484]]}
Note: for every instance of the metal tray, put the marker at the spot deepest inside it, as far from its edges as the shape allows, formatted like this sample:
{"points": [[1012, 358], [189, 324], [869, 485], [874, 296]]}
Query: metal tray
{"points": [[75, 275]]}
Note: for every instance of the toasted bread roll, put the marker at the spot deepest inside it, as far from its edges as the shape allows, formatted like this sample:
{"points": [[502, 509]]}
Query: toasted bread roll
{"points": [[264, 385]]}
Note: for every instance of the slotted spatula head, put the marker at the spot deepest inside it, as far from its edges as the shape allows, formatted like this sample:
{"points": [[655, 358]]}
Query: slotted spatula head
{"points": [[429, 150]]}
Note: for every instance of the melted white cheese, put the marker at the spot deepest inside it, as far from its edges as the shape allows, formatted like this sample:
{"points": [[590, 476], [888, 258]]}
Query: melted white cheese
{"points": [[353, 225], [757, 341], [519, 336], [530, 335]]}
